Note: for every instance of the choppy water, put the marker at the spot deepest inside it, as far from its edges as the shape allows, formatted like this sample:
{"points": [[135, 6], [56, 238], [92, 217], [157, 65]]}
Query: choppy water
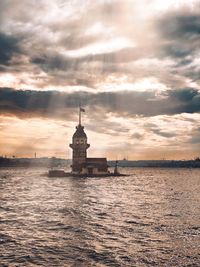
{"points": [[151, 218]]}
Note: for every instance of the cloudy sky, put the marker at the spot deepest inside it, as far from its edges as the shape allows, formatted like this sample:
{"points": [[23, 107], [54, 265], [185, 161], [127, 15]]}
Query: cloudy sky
{"points": [[133, 64]]}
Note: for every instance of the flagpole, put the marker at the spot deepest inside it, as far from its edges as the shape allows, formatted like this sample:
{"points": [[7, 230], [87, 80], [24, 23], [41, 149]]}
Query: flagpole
{"points": [[79, 115]]}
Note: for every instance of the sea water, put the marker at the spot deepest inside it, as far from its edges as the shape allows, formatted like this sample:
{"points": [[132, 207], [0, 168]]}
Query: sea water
{"points": [[150, 218]]}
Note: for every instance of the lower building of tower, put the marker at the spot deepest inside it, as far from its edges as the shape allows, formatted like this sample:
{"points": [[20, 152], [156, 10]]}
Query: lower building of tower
{"points": [[81, 164]]}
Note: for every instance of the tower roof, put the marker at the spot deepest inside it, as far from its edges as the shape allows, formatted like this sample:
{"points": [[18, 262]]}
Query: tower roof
{"points": [[79, 132]]}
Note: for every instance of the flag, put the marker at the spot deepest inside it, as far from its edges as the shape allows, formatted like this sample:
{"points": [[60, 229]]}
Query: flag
{"points": [[82, 110]]}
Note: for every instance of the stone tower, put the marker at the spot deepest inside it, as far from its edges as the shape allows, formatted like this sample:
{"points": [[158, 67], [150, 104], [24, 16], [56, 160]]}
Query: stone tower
{"points": [[79, 146]]}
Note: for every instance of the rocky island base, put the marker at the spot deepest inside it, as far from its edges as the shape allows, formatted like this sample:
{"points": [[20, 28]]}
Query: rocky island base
{"points": [[62, 173]]}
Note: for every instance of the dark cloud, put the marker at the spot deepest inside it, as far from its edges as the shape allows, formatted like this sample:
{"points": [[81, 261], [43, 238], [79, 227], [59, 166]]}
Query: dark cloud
{"points": [[138, 136], [127, 103], [180, 33], [54, 61], [181, 26], [176, 51], [163, 133], [84, 70], [9, 46], [154, 128], [184, 95], [187, 99]]}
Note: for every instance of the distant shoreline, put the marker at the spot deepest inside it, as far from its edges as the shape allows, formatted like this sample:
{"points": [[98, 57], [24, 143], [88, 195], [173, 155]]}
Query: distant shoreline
{"points": [[158, 163], [59, 162]]}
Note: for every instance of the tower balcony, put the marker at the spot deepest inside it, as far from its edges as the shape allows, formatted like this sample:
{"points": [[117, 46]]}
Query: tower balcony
{"points": [[78, 146]]}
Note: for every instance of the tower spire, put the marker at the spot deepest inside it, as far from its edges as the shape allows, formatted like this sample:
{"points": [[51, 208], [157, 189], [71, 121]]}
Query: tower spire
{"points": [[79, 114], [80, 110]]}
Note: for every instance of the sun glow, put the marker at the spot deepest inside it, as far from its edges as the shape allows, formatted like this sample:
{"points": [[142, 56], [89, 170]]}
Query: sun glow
{"points": [[8, 80], [101, 47], [122, 83]]}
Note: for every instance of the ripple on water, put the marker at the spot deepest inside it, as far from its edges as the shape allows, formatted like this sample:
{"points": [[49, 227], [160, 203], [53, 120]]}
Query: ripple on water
{"points": [[150, 218]]}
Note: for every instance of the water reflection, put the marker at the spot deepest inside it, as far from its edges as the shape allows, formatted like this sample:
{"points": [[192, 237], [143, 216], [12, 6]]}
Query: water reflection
{"points": [[147, 219]]}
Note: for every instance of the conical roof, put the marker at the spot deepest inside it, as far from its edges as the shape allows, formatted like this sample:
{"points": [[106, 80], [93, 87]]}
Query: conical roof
{"points": [[79, 132]]}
